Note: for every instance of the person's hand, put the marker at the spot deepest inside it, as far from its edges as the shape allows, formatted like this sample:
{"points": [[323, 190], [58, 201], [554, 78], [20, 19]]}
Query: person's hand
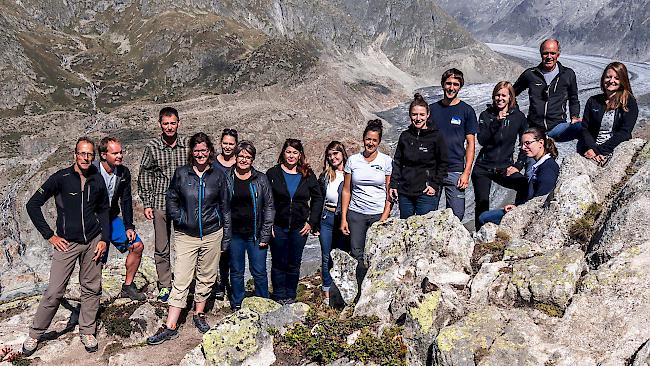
{"points": [[393, 193], [136, 247], [509, 208], [429, 191], [590, 154], [264, 245], [344, 227], [59, 243], [148, 213], [576, 120], [463, 181], [305, 229], [99, 250], [511, 170], [600, 159], [130, 235]]}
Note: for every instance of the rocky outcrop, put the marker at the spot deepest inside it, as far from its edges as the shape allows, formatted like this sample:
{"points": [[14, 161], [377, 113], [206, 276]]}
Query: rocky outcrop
{"points": [[344, 275]]}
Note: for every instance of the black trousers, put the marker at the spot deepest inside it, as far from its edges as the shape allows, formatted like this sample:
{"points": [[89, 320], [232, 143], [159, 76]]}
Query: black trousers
{"points": [[482, 178]]}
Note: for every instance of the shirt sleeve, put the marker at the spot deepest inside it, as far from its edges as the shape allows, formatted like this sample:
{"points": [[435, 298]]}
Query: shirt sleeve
{"points": [[146, 178], [38, 199], [348, 166], [388, 165], [471, 124]]}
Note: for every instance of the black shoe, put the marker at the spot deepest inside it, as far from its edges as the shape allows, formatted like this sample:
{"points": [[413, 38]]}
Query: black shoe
{"points": [[132, 293], [235, 307], [163, 334], [201, 323], [219, 294]]}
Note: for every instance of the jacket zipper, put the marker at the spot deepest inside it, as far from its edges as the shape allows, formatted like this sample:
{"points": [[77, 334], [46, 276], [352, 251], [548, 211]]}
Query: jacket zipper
{"points": [[253, 192], [201, 188], [83, 224]]}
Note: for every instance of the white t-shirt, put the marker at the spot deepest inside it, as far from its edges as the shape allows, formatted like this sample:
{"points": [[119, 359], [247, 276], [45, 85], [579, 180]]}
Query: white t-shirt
{"points": [[606, 125], [368, 182], [332, 194]]}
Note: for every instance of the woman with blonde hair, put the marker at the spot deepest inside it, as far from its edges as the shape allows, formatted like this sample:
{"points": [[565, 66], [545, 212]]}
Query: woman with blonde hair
{"points": [[609, 117], [499, 127]]}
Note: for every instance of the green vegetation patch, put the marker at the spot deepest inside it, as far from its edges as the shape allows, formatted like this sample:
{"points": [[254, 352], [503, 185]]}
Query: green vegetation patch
{"points": [[584, 228], [322, 339], [496, 248], [116, 319]]}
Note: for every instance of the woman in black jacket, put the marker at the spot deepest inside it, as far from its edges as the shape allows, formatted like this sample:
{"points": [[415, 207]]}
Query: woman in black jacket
{"points": [[298, 204], [499, 127], [419, 165], [198, 204], [609, 118], [252, 213]]}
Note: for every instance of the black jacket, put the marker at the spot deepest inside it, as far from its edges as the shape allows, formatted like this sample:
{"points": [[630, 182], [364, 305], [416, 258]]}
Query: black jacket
{"points": [[420, 160], [122, 195], [81, 215], [548, 102], [263, 210], [498, 138], [199, 205], [305, 206], [592, 118]]}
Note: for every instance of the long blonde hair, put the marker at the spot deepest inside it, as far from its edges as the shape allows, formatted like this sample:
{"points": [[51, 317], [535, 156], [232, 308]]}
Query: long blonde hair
{"points": [[621, 96], [328, 170]]}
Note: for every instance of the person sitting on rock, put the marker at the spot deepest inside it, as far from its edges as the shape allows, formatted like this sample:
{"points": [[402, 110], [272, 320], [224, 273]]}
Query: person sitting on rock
{"points": [[198, 203], [298, 204], [330, 235], [224, 161], [82, 230], [541, 177], [499, 127], [365, 198], [252, 214], [609, 117], [419, 164], [123, 236]]}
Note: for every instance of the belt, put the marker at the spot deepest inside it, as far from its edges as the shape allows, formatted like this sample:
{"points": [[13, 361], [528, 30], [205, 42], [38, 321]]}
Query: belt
{"points": [[330, 209]]}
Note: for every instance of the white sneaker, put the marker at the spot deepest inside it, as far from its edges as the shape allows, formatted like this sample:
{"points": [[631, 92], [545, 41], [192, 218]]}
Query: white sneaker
{"points": [[89, 341]]}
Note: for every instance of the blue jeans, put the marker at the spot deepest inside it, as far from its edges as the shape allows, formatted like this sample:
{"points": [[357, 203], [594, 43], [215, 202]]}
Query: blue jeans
{"points": [[417, 205], [565, 131], [239, 246], [454, 197], [286, 256], [330, 237], [493, 216]]}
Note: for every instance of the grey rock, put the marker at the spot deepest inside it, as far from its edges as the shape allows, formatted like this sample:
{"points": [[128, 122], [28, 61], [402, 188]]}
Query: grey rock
{"points": [[283, 318], [521, 249], [642, 357], [483, 281], [194, 357], [487, 233], [145, 322], [344, 275]]}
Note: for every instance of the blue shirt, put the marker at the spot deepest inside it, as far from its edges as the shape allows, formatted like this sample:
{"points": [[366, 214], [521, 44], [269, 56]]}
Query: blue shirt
{"points": [[454, 122], [292, 181], [218, 166]]}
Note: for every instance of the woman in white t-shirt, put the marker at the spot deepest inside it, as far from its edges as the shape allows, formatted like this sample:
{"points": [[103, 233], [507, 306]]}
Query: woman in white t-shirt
{"points": [[330, 235], [364, 198]]}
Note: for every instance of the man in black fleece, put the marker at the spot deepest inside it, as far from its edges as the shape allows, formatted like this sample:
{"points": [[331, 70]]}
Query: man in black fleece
{"points": [[82, 231], [550, 85]]}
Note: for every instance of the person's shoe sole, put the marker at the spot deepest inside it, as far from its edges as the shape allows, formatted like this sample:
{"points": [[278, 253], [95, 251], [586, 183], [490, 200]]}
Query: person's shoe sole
{"points": [[27, 352], [163, 340], [91, 349]]}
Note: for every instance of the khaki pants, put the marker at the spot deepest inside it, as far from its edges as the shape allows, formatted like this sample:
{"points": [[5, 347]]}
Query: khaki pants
{"points": [[90, 281], [195, 257], [162, 234]]}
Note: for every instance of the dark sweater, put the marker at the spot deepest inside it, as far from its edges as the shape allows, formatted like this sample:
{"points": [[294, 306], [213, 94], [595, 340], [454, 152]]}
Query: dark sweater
{"points": [[305, 206], [621, 130]]}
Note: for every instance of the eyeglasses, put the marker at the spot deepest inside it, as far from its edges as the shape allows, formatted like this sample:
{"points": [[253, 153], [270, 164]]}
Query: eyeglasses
{"points": [[528, 143], [245, 158], [84, 154], [200, 151]]}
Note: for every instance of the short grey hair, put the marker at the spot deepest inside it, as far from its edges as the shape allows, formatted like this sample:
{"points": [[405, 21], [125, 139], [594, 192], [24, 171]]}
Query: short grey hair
{"points": [[245, 146], [541, 45]]}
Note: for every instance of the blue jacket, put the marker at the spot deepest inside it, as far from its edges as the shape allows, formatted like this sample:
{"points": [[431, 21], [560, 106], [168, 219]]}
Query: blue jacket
{"points": [[544, 179]]}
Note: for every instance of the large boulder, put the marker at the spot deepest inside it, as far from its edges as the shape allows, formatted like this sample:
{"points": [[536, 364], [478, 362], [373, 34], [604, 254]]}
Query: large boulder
{"points": [[402, 255], [344, 275]]}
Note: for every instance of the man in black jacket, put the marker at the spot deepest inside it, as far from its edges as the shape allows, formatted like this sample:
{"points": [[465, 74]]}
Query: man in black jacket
{"points": [[82, 231], [123, 236], [550, 85]]}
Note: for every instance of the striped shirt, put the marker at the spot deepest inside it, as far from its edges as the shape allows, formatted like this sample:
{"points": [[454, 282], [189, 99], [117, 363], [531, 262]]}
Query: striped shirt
{"points": [[159, 161]]}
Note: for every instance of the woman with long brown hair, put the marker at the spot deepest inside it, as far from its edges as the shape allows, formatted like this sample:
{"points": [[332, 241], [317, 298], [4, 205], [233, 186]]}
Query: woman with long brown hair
{"points": [[298, 204], [609, 117]]}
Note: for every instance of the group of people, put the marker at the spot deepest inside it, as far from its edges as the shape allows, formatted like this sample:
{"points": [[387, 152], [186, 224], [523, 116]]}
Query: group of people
{"points": [[224, 210]]}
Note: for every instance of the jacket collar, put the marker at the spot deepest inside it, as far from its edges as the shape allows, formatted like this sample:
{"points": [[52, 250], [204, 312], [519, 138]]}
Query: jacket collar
{"points": [[540, 68], [118, 170]]}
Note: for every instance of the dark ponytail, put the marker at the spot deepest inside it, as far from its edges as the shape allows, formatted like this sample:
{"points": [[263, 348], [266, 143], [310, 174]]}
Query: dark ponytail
{"points": [[549, 143], [374, 125], [418, 101]]}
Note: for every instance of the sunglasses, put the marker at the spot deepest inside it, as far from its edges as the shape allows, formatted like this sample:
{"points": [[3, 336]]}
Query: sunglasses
{"points": [[229, 132]]}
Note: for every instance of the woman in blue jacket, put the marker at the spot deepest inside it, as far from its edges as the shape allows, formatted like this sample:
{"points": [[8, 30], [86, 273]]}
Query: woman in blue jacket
{"points": [[198, 204], [609, 117], [542, 175]]}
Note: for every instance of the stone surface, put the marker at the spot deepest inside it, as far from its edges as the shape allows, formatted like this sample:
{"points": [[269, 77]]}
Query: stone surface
{"points": [[521, 249], [487, 233], [284, 317], [344, 275], [260, 305], [550, 278], [145, 322], [483, 281], [194, 358]]}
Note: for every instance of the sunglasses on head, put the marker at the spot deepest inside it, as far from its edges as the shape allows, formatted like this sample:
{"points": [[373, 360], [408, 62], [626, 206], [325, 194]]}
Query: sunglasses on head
{"points": [[229, 131]]}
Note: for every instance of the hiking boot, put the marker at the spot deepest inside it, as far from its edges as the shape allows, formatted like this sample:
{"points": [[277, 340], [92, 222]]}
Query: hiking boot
{"points": [[219, 293], [132, 293], [163, 294], [89, 341], [163, 334], [201, 323], [29, 346]]}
